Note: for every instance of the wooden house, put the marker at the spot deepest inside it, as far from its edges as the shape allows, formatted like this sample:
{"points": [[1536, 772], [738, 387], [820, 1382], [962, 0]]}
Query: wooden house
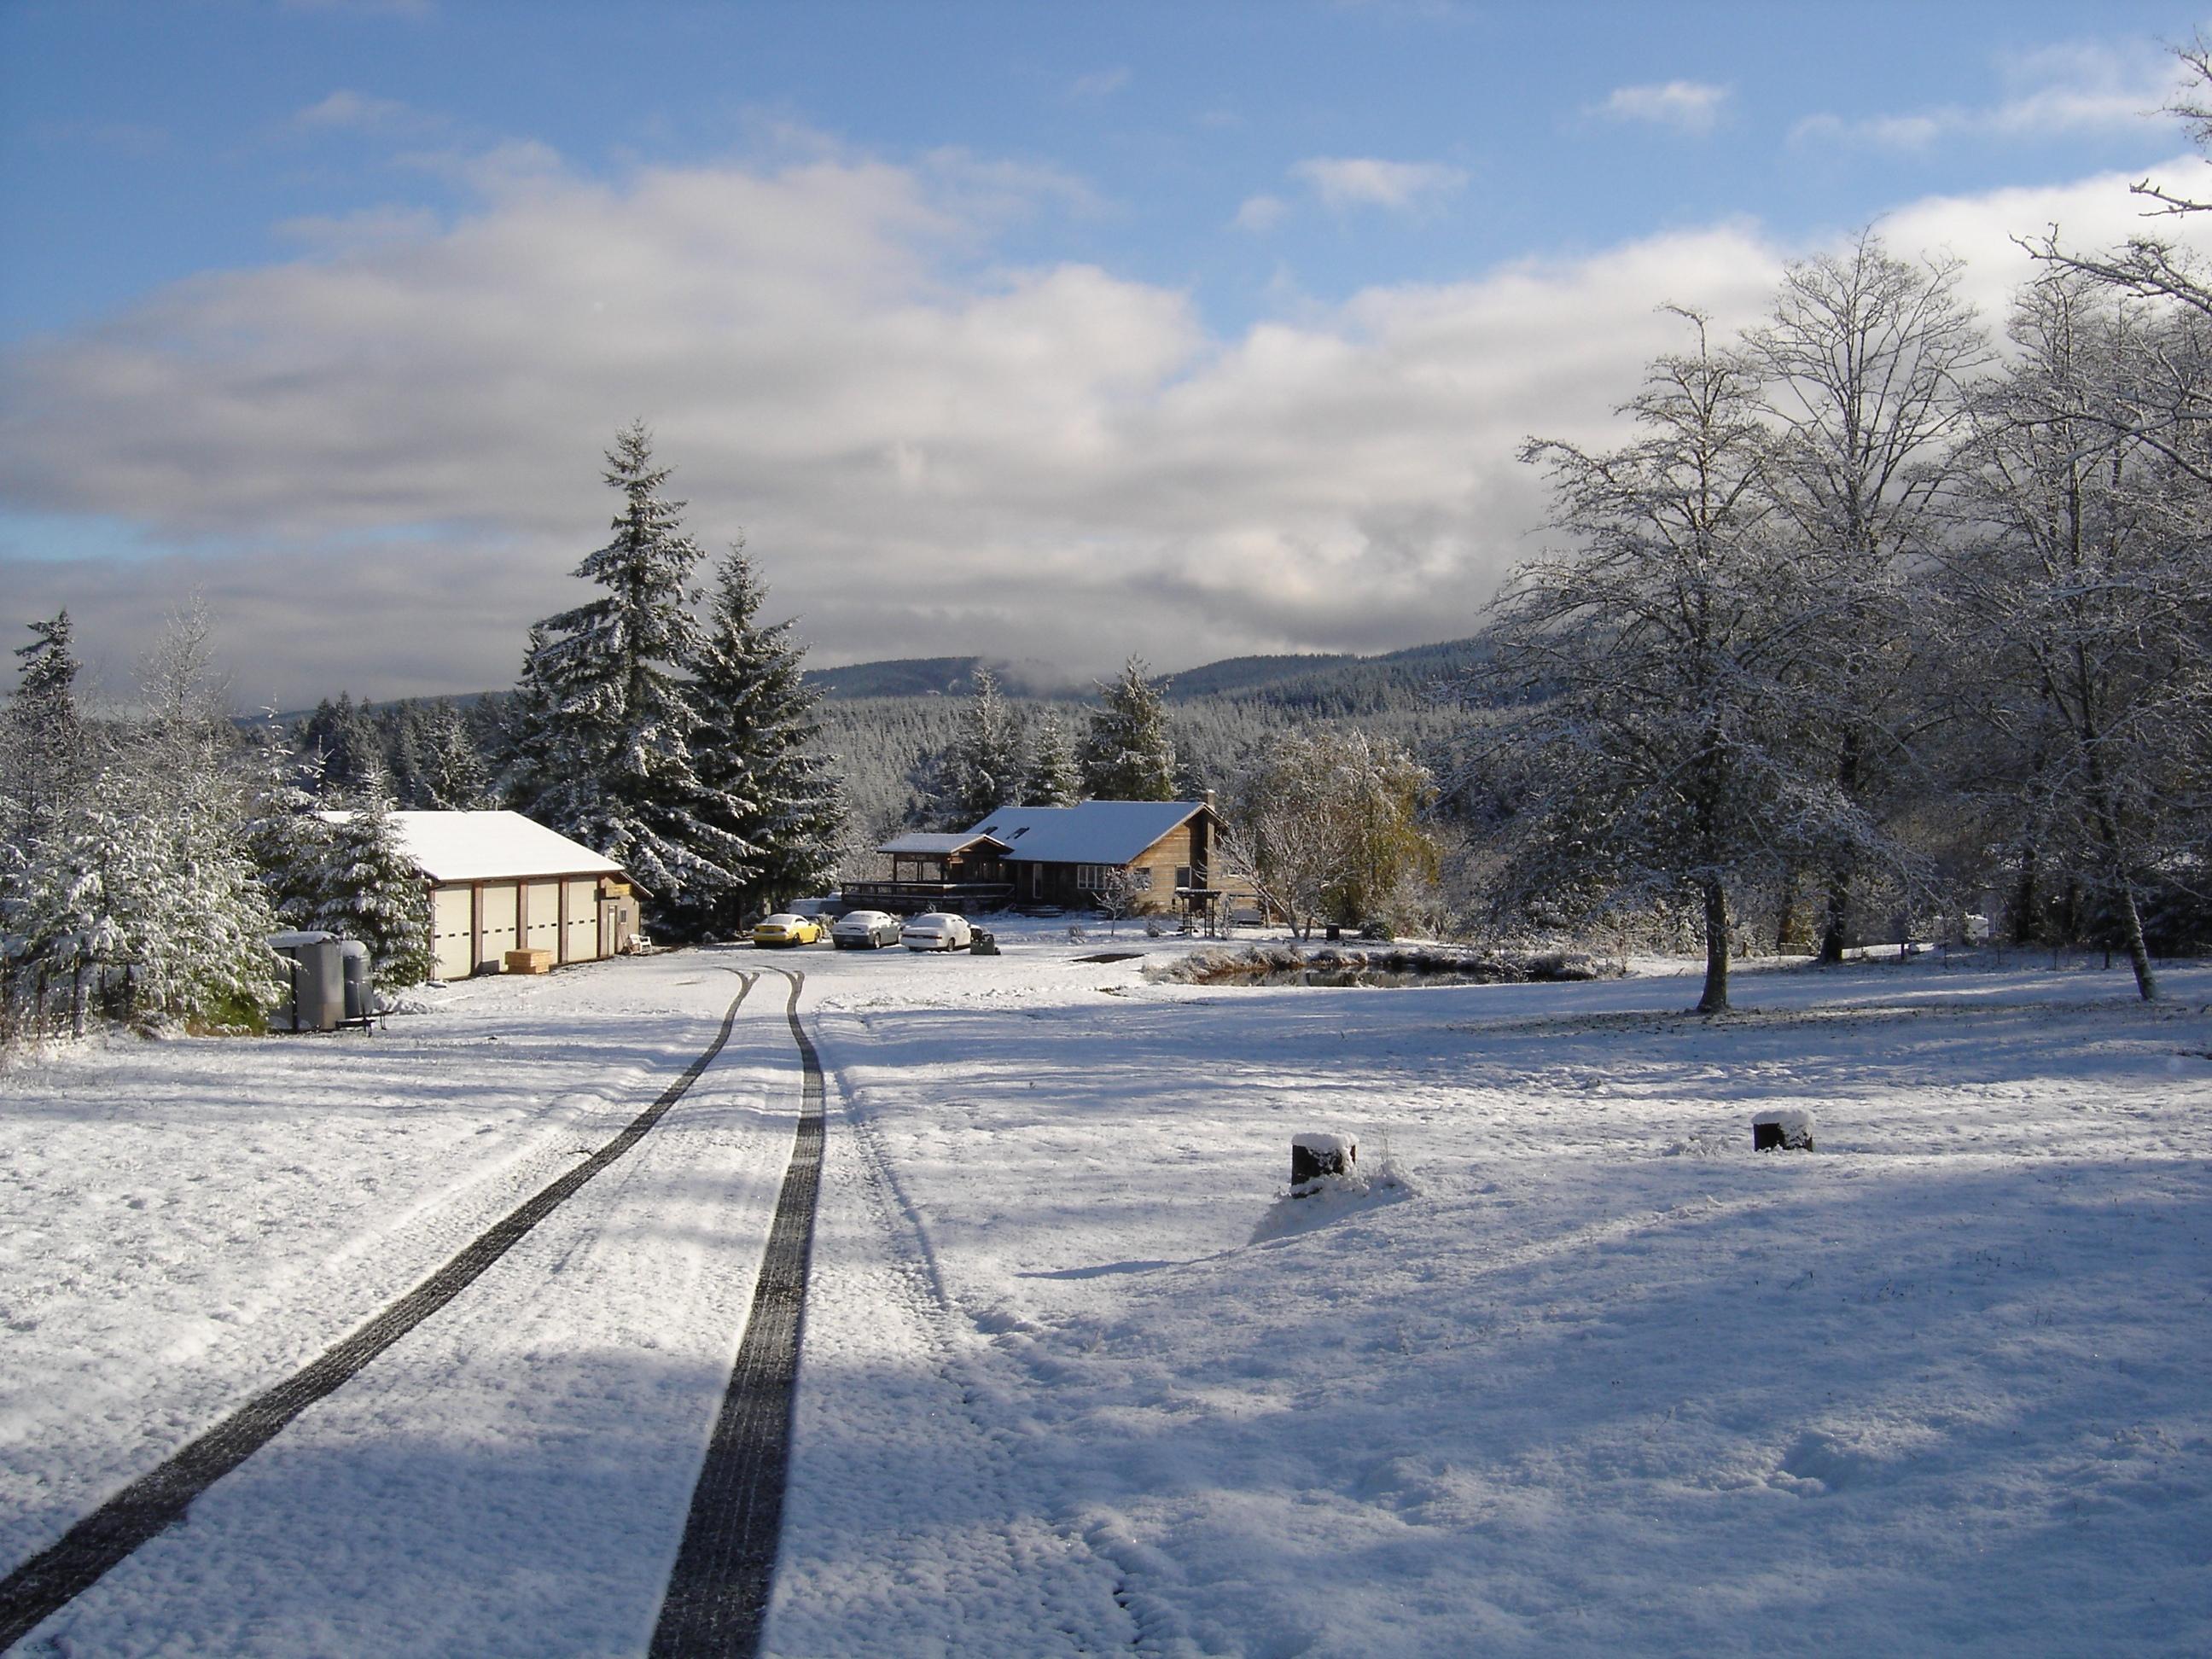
{"points": [[1059, 857]]}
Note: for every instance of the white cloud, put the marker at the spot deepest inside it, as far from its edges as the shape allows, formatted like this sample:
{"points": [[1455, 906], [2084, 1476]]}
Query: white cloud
{"points": [[1260, 213], [2079, 89], [1101, 84], [1685, 105], [1364, 181], [382, 468], [346, 111]]}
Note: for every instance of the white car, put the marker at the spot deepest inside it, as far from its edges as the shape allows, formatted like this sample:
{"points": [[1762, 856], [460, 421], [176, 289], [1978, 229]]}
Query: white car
{"points": [[865, 930], [935, 932]]}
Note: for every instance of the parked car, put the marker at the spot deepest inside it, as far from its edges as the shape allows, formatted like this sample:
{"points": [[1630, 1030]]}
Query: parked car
{"points": [[935, 932], [784, 928], [829, 907], [865, 930]]}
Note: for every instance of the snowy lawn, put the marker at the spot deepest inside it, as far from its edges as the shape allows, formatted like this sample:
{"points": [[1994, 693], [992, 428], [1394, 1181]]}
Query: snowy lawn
{"points": [[1588, 1373], [1593, 1376]]}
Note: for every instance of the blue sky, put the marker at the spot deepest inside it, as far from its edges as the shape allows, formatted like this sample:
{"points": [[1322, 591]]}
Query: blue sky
{"points": [[1059, 330]]}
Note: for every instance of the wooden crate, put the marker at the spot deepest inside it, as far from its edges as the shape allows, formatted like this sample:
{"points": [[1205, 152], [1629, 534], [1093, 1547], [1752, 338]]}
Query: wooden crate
{"points": [[529, 962]]}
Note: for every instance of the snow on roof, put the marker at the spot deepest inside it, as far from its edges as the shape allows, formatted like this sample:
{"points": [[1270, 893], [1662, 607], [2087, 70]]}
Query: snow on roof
{"points": [[1091, 832], [932, 845], [490, 846]]}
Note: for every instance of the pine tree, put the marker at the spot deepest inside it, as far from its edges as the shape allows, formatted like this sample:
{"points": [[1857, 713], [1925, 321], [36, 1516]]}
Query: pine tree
{"points": [[983, 770], [1126, 753], [371, 890], [617, 771], [1053, 779], [286, 840], [763, 787], [455, 778], [42, 739]]}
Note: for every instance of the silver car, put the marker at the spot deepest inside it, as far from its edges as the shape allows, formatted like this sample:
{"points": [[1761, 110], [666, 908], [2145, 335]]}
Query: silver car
{"points": [[865, 930]]}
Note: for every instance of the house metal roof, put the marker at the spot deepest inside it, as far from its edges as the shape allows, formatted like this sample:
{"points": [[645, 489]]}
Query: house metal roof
{"points": [[1091, 832], [449, 847], [933, 845]]}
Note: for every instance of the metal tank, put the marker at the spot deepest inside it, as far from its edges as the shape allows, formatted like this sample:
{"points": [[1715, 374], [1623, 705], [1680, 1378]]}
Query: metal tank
{"points": [[315, 996]]}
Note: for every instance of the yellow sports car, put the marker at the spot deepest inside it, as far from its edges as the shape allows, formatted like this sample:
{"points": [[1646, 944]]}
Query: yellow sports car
{"points": [[785, 929]]}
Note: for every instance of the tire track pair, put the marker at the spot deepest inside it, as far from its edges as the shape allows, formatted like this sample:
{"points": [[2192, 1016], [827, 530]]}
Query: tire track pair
{"points": [[755, 1461]]}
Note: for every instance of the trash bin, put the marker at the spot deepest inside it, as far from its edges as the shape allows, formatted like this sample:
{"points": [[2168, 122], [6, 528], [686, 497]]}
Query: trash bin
{"points": [[360, 982], [315, 982]]}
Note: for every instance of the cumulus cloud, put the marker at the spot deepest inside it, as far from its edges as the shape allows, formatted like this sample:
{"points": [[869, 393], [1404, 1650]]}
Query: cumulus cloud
{"points": [[1364, 181], [346, 111], [2086, 87], [1686, 105], [381, 463], [1100, 83], [1260, 213]]}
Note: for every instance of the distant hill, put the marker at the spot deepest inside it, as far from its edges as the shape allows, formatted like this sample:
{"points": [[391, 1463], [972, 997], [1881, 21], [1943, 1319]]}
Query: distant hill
{"points": [[1232, 675], [1319, 682], [902, 676]]}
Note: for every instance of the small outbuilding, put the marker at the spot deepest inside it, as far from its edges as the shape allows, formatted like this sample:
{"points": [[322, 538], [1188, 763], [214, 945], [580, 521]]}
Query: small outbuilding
{"points": [[501, 882]]}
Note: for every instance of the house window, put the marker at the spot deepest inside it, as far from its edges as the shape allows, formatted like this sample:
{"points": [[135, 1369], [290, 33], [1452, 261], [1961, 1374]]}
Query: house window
{"points": [[1092, 878]]}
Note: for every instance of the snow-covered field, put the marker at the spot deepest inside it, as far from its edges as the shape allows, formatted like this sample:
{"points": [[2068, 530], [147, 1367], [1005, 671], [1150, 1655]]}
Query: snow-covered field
{"points": [[1577, 1370]]}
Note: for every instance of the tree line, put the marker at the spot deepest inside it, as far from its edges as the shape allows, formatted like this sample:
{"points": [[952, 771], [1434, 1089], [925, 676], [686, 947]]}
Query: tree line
{"points": [[1871, 615]]}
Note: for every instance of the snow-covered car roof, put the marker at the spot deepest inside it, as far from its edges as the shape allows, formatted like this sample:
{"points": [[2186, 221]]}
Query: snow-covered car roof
{"points": [[490, 846], [1091, 832]]}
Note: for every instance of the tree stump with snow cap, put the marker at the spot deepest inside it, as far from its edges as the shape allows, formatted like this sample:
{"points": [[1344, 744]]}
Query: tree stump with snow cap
{"points": [[1788, 1128], [1313, 1155]]}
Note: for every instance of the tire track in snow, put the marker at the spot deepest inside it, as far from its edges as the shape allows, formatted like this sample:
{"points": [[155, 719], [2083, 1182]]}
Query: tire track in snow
{"points": [[718, 1594], [982, 1537], [57, 1576]]}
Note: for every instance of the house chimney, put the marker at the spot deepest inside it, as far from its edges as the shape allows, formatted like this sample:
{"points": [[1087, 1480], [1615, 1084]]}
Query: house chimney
{"points": [[1209, 798]]}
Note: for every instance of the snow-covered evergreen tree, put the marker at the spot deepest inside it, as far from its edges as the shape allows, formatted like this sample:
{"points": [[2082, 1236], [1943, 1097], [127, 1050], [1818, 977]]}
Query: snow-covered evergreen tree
{"points": [[453, 777], [1127, 752], [763, 786], [369, 890], [617, 771], [345, 742], [285, 838], [984, 768], [1054, 778], [42, 734]]}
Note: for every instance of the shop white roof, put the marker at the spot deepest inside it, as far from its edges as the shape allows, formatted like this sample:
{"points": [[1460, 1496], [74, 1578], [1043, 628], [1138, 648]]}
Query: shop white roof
{"points": [[449, 847], [1091, 832]]}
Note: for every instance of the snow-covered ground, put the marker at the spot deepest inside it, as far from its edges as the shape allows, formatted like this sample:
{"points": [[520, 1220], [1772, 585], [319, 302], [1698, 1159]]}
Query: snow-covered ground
{"points": [[1577, 1369]]}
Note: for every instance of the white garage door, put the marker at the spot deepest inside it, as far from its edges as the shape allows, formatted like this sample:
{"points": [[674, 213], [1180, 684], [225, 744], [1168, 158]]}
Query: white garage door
{"points": [[451, 932], [543, 923], [498, 924], [583, 922]]}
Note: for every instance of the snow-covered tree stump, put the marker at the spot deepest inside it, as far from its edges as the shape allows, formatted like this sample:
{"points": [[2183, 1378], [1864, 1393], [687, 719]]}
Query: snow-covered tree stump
{"points": [[1788, 1128], [1313, 1155]]}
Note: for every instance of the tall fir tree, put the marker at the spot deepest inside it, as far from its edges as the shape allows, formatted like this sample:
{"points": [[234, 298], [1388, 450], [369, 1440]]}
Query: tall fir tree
{"points": [[1054, 778], [369, 890], [763, 785], [42, 735], [455, 778], [985, 767], [285, 838], [617, 771], [1127, 752]]}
